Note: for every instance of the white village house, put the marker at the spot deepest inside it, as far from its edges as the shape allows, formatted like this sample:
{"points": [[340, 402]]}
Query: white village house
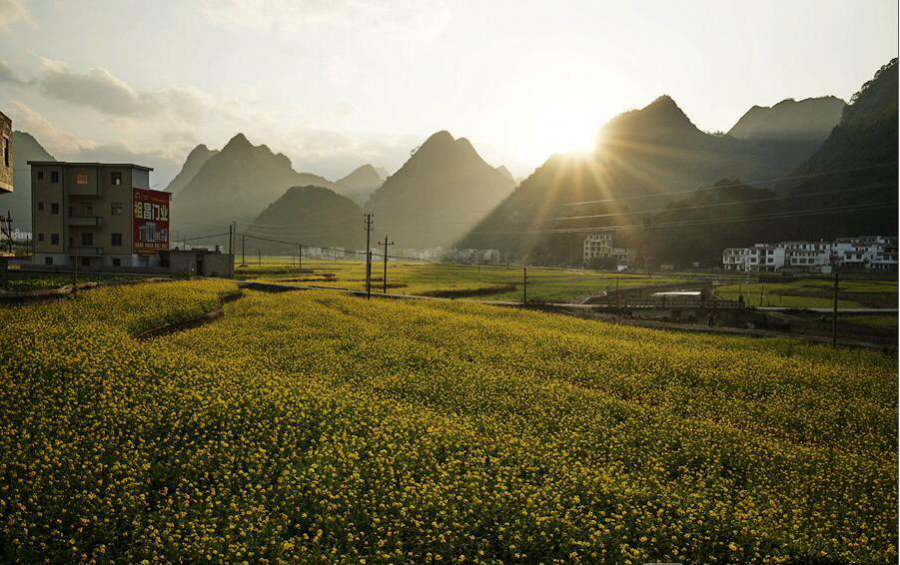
{"points": [[876, 253]]}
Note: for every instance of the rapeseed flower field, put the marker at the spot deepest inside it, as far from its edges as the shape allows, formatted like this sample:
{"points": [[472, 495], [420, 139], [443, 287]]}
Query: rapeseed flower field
{"points": [[314, 427]]}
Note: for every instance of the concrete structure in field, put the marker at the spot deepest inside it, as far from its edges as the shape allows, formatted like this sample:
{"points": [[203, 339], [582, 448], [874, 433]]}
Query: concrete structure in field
{"points": [[877, 253], [598, 246], [199, 262], [103, 214]]}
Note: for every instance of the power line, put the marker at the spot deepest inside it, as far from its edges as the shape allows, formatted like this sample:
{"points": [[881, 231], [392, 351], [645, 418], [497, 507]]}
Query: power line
{"points": [[721, 186], [690, 223], [717, 205]]}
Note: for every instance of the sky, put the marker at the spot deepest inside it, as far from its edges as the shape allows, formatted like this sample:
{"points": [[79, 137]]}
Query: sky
{"points": [[334, 84]]}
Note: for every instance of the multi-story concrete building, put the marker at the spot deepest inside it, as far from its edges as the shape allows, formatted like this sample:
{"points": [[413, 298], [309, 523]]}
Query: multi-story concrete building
{"points": [[855, 253], [6, 164], [105, 214], [600, 245], [7, 250]]}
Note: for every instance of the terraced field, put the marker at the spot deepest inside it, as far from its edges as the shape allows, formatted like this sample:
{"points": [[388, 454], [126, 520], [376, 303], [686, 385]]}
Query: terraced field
{"points": [[816, 293], [314, 427], [488, 282]]}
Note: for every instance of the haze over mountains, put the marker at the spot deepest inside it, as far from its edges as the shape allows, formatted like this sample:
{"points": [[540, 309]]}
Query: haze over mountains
{"points": [[361, 183], [237, 183], [807, 120], [439, 194], [311, 214], [195, 159]]}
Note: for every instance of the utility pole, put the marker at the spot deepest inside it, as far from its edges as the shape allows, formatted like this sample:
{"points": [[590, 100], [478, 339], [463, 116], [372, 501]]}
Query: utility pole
{"points": [[524, 286], [617, 292], [243, 250], [368, 228], [384, 278], [300, 256], [259, 256], [74, 263], [835, 311], [230, 236]]}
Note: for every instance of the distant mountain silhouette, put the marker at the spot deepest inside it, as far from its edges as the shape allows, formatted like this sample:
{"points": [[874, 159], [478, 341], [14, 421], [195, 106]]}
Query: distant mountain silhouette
{"points": [[311, 215], [698, 227], [505, 172], [855, 166], [443, 190], [195, 159], [807, 120], [25, 148], [361, 183], [237, 183], [859, 159], [642, 153]]}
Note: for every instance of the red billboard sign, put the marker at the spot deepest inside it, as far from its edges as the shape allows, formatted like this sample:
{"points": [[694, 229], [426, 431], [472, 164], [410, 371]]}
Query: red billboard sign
{"points": [[150, 220]]}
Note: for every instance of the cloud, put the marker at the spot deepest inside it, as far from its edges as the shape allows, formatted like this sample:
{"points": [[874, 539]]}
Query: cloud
{"points": [[345, 109], [66, 146], [290, 17], [101, 90], [7, 74], [12, 11], [55, 141]]}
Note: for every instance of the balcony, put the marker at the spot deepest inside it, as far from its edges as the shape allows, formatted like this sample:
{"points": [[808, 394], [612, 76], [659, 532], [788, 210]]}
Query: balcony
{"points": [[85, 221]]}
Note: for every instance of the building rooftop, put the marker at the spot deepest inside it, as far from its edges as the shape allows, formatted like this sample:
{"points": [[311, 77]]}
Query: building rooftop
{"points": [[71, 164]]}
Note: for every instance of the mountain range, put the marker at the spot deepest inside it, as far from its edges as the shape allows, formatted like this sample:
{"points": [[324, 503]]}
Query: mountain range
{"points": [[642, 159], [236, 183], [847, 187], [442, 191], [645, 172]]}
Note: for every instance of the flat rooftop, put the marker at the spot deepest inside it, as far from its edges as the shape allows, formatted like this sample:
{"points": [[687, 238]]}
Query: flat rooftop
{"points": [[71, 164]]}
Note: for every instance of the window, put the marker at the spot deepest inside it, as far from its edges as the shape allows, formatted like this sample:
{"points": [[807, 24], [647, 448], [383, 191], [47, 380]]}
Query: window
{"points": [[54, 207], [40, 206], [116, 208], [87, 238], [81, 177], [115, 178], [40, 175], [117, 262], [116, 239], [54, 238], [6, 151], [85, 261], [54, 177], [48, 260], [40, 237]]}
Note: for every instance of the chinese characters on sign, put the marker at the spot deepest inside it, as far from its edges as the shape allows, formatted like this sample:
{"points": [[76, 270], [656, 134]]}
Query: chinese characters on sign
{"points": [[150, 220]]}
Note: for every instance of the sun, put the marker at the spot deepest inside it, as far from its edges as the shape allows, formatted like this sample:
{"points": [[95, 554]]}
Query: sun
{"points": [[566, 126]]}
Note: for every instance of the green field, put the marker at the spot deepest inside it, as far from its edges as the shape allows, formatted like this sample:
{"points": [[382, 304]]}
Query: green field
{"points": [[495, 283], [886, 321], [815, 293], [316, 427]]}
